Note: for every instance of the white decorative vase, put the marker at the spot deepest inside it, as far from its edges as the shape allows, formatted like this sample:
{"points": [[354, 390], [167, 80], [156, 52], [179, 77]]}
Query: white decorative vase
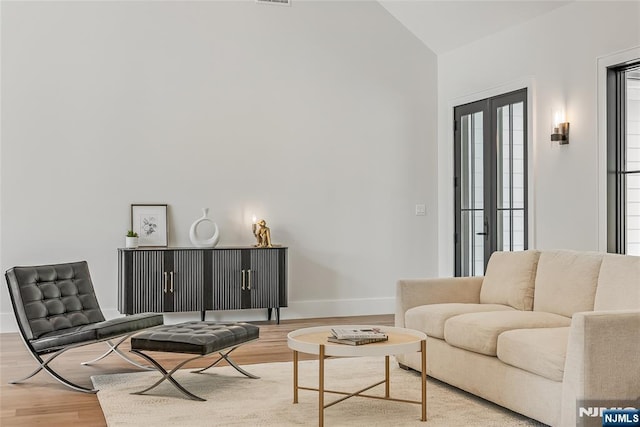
{"points": [[131, 242], [199, 242]]}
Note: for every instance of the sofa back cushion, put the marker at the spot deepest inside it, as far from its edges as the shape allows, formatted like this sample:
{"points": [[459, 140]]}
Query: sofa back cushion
{"points": [[510, 278], [618, 283], [566, 281]]}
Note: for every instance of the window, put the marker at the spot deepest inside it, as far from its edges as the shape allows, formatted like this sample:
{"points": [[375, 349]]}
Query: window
{"points": [[623, 158], [490, 180]]}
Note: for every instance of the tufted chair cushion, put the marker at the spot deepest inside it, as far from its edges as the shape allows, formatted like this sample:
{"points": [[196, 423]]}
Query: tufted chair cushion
{"points": [[51, 298]]}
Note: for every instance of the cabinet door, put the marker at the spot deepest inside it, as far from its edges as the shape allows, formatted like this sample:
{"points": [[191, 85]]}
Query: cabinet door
{"points": [[227, 278], [186, 280], [264, 278], [147, 288]]}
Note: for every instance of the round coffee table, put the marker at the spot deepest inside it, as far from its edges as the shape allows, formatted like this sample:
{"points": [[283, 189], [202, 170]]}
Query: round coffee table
{"points": [[314, 341]]}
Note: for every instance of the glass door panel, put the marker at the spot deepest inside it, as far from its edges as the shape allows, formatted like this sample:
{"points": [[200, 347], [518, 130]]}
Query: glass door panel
{"points": [[472, 189], [510, 177], [632, 154]]}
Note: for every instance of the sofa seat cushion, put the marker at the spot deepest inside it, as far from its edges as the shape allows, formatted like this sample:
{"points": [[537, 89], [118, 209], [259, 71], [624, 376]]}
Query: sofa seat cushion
{"points": [[478, 332], [539, 351], [431, 318]]}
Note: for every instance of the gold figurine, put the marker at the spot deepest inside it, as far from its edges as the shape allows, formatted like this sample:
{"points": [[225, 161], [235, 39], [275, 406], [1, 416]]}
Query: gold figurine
{"points": [[262, 233]]}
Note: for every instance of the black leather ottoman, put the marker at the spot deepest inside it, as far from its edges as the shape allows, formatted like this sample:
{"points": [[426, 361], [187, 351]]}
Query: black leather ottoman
{"points": [[200, 338]]}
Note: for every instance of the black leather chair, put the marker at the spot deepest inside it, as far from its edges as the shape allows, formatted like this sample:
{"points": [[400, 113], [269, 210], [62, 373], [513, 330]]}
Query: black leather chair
{"points": [[56, 310]]}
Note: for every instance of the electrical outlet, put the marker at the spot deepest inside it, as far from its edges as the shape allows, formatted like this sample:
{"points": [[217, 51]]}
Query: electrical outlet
{"points": [[421, 210]]}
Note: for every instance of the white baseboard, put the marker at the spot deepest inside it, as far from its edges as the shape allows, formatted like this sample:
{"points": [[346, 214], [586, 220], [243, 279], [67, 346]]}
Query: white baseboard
{"points": [[296, 310], [338, 308]]}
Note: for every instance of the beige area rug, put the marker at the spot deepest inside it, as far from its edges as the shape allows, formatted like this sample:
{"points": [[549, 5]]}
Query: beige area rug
{"points": [[235, 400]]}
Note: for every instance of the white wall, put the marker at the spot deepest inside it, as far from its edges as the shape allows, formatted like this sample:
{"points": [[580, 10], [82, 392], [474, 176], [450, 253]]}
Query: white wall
{"points": [[319, 117], [556, 55]]}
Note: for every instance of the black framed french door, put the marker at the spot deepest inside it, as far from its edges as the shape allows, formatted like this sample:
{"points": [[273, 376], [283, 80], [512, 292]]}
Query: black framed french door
{"points": [[623, 158], [490, 180]]}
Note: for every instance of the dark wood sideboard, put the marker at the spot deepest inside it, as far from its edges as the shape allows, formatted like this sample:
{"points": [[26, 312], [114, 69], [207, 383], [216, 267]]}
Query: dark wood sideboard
{"points": [[165, 280]]}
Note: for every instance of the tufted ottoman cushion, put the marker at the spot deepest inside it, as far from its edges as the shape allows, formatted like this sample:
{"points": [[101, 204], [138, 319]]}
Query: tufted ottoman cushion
{"points": [[195, 337]]}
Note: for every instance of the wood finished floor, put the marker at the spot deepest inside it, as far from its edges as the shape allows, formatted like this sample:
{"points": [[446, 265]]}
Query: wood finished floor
{"points": [[43, 401]]}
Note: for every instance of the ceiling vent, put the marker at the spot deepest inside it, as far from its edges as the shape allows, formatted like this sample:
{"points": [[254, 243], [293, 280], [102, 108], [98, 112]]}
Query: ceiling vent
{"points": [[280, 2]]}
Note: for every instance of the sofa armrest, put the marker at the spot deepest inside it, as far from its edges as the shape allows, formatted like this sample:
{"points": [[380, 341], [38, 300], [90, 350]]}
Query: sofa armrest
{"points": [[602, 361], [415, 292]]}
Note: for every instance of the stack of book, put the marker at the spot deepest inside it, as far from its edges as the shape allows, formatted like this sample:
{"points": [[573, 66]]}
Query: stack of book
{"points": [[356, 336]]}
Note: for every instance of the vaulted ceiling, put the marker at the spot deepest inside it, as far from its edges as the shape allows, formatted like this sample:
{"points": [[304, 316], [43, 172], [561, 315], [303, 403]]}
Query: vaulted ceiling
{"points": [[446, 25]]}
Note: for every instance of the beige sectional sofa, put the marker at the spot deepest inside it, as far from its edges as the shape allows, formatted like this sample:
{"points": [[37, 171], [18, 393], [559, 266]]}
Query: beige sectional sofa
{"points": [[539, 333]]}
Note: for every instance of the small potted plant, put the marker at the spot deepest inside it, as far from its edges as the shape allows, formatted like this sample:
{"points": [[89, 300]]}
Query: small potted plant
{"points": [[132, 239]]}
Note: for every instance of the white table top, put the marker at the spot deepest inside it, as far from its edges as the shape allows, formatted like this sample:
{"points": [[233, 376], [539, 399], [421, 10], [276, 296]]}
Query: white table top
{"points": [[401, 340]]}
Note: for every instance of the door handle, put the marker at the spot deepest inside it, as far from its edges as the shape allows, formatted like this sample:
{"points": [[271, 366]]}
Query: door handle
{"points": [[243, 280], [249, 281], [165, 282], [486, 228], [171, 282]]}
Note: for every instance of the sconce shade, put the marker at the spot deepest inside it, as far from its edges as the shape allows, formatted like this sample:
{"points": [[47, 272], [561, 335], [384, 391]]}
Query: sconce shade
{"points": [[561, 133]]}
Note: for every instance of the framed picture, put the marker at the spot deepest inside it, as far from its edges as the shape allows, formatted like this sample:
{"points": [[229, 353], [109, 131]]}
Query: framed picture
{"points": [[150, 222]]}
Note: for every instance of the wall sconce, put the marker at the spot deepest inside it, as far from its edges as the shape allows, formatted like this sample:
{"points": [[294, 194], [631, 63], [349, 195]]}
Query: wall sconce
{"points": [[560, 128]]}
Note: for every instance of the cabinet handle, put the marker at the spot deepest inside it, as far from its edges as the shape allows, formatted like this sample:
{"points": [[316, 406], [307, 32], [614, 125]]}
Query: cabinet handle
{"points": [[243, 280], [165, 282], [249, 285], [171, 282]]}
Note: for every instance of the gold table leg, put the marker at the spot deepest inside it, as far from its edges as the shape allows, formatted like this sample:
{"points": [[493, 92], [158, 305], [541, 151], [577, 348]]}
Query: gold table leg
{"points": [[321, 387], [295, 376], [386, 376], [423, 354]]}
